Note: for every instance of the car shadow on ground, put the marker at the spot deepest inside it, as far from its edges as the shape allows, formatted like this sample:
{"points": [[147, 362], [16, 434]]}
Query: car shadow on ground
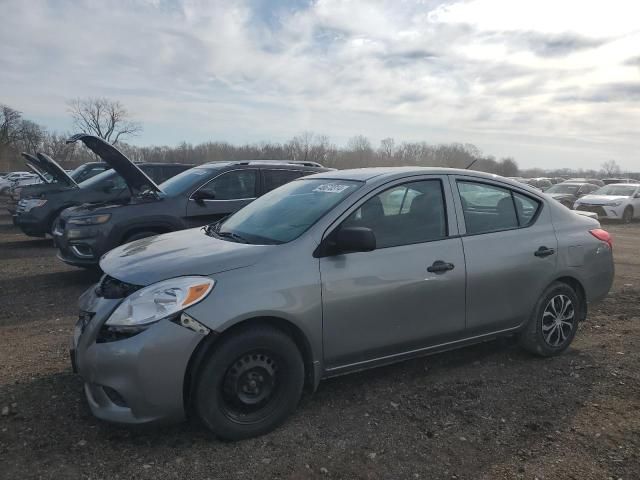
{"points": [[469, 410]]}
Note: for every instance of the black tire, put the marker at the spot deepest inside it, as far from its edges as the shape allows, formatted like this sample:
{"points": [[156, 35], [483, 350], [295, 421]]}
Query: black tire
{"points": [[627, 215], [227, 401], [544, 334], [138, 235]]}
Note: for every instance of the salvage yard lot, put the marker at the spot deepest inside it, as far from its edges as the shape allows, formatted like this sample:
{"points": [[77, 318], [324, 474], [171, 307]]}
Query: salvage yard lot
{"points": [[489, 411]]}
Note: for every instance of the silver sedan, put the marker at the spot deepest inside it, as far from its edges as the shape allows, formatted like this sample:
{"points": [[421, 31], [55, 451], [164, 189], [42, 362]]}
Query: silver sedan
{"points": [[329, 274]]}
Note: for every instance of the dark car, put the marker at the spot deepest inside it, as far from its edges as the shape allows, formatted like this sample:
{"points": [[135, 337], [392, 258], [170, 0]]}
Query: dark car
{"points": [[35, 215], [52, 179], [540, 183], [568, 192], [196, 197], [594, 181], [609, 181]]}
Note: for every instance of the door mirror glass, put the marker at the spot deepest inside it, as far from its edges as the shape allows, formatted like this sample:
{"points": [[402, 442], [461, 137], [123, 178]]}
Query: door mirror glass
{"points": [[355, 239]]}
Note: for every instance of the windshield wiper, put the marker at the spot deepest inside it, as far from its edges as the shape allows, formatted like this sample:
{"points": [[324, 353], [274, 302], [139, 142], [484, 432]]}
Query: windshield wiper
{"points": [[235, 236]]}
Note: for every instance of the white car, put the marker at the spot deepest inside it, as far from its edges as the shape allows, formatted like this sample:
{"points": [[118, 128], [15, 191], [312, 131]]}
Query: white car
{"points": [[8, 180], [617, 201]]}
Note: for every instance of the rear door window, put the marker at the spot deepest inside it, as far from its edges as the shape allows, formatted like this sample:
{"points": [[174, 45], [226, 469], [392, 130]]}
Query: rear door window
{"points": [[489, 208]]}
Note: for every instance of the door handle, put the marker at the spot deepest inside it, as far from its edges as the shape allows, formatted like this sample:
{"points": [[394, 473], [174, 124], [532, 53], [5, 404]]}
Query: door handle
{"points": [[439, 266], [544, 252]]}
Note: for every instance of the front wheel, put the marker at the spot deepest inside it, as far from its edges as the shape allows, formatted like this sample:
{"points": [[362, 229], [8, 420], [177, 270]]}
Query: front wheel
{"points": [[627, 216], [250, 384], [554, 321]]}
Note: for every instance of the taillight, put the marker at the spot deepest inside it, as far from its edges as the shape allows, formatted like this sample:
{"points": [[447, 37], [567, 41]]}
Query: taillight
{"points": [[603, 236]]}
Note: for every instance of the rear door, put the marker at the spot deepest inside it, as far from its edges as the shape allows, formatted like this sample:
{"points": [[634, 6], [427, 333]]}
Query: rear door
{"points": [[510, 250], [391, 302], [225, 194]]}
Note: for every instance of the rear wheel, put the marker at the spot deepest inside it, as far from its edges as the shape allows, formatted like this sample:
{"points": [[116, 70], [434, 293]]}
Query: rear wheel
{"points": [[554, 321], [627, 216], [250, 384]]}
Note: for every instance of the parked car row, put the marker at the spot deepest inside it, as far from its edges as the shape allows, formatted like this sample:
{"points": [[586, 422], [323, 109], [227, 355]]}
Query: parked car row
{"points": [[296, 273]]}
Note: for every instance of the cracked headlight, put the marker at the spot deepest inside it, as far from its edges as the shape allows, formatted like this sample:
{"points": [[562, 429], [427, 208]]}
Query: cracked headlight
{"points": [[160, 300]]}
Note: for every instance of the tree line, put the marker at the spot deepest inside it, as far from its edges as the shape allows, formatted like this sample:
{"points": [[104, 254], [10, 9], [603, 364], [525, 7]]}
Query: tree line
{"points": [[111, 121]]}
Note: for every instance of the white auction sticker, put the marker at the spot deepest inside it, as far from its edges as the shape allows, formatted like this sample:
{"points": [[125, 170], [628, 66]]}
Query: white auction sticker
{"points": [[331, 188]]}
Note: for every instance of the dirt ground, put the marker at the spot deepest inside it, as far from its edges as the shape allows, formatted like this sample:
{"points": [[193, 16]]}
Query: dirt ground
{"points": [[485, 412]]}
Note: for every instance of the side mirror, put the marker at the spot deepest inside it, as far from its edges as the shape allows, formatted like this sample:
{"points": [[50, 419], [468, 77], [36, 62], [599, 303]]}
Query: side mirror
{"points": [[355, 239], [108, 186], [200, 195]]}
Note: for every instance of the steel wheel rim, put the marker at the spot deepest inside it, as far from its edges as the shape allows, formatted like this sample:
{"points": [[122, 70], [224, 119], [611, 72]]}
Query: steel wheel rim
{"points": [[251, 387], [558, 320]]}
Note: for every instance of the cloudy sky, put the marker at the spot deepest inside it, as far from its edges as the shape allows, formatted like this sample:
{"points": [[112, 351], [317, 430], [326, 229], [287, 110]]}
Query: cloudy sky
{"points": [[549, 82]]}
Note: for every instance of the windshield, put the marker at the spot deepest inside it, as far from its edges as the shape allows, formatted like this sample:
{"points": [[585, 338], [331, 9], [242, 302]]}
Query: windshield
{"points": [[564, 188], [95, 181], [185, 180], [617, 190], [287, 212]]}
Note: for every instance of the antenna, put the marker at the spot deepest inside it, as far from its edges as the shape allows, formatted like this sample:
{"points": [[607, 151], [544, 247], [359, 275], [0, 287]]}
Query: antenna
{"points": [[471, 164]]}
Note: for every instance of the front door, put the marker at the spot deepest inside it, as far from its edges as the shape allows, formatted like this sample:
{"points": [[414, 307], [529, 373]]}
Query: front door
{"points": [[405, 295], [225, 194]]}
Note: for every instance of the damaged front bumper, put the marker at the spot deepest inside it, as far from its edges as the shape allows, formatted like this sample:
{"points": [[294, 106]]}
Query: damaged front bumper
{"points": [[132, 379]]}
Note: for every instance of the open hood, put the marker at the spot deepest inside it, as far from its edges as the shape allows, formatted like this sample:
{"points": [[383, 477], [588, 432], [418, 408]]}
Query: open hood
{"points": [[32, 163], [58, 173], [136, 179]]}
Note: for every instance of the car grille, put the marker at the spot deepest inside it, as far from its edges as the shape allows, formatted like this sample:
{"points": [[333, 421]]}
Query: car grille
{"points": [[592, 208], [112, 288]]}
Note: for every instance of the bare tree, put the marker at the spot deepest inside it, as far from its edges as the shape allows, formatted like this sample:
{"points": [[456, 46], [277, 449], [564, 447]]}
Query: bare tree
{"points": [[30, 136], [387, 148], [10, 120], [108, 119], [610, 168]]}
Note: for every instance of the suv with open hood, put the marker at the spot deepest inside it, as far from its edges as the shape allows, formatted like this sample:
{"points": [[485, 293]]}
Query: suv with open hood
{"points": [[195, 197], [35, 215], [53, 179]]}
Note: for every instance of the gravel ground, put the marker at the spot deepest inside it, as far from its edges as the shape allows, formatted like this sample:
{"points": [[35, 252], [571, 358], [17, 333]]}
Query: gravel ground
{"points": [[489, 411]]}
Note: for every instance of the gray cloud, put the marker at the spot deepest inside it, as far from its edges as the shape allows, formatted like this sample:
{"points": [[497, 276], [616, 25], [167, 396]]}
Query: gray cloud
{"points": [[606, 93], [545, 45]]}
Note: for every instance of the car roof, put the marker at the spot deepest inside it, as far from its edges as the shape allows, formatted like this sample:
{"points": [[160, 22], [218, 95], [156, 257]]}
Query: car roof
{"points": [[288, 163], [624, 184], [378, 173]]}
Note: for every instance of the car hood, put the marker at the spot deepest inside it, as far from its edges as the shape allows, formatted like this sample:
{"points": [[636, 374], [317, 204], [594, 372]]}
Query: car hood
{"points": [[32, 163], [186, 252], [601, 199], [136, 179], [47, 164]]}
